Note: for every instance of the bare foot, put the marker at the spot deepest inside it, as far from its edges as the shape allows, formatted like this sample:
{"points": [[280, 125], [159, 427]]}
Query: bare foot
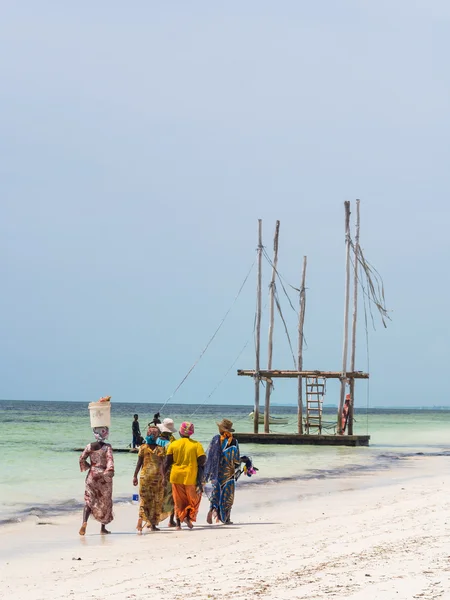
{"points": [[171, 524], [209, 517], [139, 526], [83, 529], [189, 523], [178, 528]]}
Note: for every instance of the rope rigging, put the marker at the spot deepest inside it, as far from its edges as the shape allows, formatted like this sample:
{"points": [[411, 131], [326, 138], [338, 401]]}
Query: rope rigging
{"points": [[368, 359], [210, 340], [375, 286], [269, 260], [278, 303], [223, 378]]}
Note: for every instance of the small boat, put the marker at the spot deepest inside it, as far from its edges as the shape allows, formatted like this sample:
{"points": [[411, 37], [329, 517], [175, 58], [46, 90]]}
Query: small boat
{"points": [[272, 420]]}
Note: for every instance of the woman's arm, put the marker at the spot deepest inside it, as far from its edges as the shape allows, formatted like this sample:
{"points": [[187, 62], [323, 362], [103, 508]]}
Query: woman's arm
{"points": [[109, 462], [237, 459], [137, 469], [84, 464], [201, 460], [168, 463]]}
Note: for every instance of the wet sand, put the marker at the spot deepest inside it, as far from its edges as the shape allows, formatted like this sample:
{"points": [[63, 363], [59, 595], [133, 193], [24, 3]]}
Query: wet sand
{"points": [[370, 536]]}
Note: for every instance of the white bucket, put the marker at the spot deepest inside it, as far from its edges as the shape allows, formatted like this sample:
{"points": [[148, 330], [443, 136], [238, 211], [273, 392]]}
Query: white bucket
{"points": [[100, 413]]}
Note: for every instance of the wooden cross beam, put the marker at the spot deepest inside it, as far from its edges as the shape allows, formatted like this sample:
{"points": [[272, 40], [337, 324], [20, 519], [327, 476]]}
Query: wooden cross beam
{"points": [[325, 374]]}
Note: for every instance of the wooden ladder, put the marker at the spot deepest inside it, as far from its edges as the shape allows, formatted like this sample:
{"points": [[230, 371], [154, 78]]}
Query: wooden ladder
{"points": [[315, 392]]}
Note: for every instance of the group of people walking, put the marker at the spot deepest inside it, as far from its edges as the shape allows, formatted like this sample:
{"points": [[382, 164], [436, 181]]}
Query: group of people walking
{"points": [[171, 473]]}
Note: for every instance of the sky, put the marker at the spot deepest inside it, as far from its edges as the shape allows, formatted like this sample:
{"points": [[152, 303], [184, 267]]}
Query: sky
{"points": [[139, 145]]}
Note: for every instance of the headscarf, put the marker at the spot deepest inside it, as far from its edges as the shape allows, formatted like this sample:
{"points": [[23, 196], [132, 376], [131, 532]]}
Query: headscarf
{"points": [[101, 433], [186, 429], [226, 435], [152, 435]]}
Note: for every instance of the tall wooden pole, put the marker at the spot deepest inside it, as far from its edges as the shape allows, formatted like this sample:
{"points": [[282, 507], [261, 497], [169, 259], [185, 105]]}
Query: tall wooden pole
{"points": [[271, 321], [301, 322], [258, 328], [355, 318], [346, 311]]}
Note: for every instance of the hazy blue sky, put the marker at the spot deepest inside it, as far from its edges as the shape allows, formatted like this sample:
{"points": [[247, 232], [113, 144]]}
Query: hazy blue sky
{"points": [[140, 143]]}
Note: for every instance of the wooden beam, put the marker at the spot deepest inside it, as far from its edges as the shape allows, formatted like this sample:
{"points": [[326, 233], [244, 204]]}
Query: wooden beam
{"points": [[355, 319], [296, 439], [271, 323], [346, 311], [295, 374], [301, 321], [258, 328]]}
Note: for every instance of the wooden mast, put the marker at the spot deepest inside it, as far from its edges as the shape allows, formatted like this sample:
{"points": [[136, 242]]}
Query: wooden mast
{"points": [[355, 318], [346, 311], [271, 322], [258, 328], [301, 322]]}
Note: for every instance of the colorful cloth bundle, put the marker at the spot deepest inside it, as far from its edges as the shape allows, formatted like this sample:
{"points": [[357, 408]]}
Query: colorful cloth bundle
{"points": [[248, 469]]}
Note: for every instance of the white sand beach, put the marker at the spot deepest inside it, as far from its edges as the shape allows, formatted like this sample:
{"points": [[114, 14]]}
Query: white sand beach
{"points": [[377, 536]]}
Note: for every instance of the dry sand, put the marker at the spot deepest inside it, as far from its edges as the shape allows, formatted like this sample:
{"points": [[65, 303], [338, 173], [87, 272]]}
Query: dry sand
{"points": [[377, 536]]}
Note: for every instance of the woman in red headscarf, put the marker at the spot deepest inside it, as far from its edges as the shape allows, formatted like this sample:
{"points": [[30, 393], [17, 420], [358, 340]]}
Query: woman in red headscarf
{"points": [[186, 459]]}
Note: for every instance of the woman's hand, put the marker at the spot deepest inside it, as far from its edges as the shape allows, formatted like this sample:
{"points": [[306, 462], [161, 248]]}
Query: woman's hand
{"points": [[135, 480]]}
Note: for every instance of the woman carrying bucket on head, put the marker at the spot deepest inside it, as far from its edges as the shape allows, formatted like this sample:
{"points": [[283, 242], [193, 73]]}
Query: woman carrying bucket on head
{"points": [[166, 431], [98, 490]]}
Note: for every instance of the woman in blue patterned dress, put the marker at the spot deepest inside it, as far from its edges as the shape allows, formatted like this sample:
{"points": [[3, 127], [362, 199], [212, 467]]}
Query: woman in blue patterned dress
{"points": [[222, 462]]}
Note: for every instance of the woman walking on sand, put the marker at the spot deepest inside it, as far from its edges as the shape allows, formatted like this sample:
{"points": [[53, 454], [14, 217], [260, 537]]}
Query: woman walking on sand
{"points": [[98, 490], [151, 482], [220, 468], [185, 458], [166, 431]]}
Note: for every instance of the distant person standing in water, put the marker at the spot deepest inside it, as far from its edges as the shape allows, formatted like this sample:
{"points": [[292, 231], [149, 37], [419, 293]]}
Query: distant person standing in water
{"points": [[136, 430], [98, 491]]}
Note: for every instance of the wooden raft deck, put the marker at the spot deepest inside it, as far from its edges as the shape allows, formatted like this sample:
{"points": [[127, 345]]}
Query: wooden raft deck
{"points": [[300, 440], [124, 450]]}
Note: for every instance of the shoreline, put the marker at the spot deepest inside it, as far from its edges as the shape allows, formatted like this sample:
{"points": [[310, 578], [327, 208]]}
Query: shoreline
{"points": [[380, 463], [342, 537]]}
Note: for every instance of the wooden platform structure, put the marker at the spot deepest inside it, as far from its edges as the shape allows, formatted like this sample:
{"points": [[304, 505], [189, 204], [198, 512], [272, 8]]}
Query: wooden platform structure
{"points": [[295, 439], [295, 374], [311, 419]]}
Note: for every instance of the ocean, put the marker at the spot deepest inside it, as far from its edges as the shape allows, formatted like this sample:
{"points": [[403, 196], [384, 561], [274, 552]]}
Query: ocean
{"points": [[39, 472]]}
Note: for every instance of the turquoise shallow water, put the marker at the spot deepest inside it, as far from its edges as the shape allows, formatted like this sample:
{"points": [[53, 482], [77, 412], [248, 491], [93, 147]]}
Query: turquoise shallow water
{"points": [[39, 471]]}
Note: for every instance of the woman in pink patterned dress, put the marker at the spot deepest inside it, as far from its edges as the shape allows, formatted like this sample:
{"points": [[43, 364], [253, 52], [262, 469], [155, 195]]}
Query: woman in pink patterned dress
{"points": [[98, 491]]}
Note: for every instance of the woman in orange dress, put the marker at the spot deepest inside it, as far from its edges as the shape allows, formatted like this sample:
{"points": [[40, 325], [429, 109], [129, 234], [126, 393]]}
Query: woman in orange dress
{"points": [[185, 461]]}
